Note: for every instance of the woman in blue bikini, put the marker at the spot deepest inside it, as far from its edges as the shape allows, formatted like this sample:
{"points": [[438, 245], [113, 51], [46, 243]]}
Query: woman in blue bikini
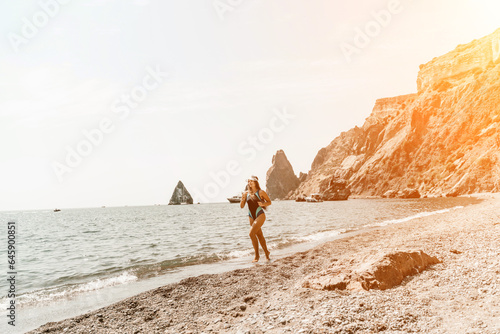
{"points": [[257, 200]]}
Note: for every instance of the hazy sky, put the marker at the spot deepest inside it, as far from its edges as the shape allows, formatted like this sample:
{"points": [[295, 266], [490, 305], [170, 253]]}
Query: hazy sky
{"points": [[111, 102]]}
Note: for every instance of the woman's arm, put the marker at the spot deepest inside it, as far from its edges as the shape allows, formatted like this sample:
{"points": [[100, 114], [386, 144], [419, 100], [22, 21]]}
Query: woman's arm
{"points": [[267, 202], [243, 199]]}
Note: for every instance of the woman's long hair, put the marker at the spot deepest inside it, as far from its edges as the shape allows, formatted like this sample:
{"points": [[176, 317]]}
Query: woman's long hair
{"points": [[258, 188]]}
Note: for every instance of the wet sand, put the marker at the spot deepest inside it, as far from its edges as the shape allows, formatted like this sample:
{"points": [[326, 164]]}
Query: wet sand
{"points": [[459, 295]]}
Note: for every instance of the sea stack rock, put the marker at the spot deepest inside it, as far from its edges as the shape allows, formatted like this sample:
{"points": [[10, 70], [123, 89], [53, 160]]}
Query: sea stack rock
{"points": [[180, 195], [280, 178]]}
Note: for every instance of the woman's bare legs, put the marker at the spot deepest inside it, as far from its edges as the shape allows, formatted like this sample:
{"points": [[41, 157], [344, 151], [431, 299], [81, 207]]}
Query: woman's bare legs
{"points": [[257, 236], [255, 241], [263, 244]]}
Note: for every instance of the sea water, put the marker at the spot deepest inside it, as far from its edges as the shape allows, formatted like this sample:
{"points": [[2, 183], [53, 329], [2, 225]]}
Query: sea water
{"points": [[76, 260]]}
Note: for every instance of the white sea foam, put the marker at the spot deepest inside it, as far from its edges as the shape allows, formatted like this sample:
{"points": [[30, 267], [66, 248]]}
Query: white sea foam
{"points": [[277, 244], [418, 215], [240, 253], [321, 235], [283, 243], [48, 295]]}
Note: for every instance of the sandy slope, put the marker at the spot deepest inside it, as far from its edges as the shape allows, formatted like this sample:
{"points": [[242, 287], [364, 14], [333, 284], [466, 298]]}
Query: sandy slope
{"points": [[459, 295]]}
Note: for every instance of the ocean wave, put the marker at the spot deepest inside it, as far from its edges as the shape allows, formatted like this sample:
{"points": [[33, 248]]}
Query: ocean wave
{"points": [[322, 235], [238, 254], [143, 271], [283, 243], [418, 215], [48, 295]]}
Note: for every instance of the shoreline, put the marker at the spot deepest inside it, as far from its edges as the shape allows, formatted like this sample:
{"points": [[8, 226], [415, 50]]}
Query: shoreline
{"points": [[270, 297]]}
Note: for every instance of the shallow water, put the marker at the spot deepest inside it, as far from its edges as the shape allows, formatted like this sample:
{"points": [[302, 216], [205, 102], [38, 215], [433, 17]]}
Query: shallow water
{"points": [[75, 252]]}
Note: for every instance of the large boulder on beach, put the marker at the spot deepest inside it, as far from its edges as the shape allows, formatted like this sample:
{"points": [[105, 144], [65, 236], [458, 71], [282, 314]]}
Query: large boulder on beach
{"points": [[381, 272], [390, 270]]}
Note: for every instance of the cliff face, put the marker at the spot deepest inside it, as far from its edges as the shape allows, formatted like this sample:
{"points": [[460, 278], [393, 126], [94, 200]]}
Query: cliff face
{"points": [[454, 66], [280, 178], [443, 140]]}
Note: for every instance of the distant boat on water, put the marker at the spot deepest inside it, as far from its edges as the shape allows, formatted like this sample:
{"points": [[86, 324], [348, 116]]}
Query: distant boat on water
{"points": [[57, 210], [234, 199]]}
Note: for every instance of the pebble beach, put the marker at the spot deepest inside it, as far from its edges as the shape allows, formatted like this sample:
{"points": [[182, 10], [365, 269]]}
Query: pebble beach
{"points": [[460, 294]]}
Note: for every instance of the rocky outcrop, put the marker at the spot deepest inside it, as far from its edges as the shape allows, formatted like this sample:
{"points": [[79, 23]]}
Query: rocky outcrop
{"points": [[443, 140], [448, 70], [180, 195], [381, 272], [390, 194], [335, 190], [409, 193], [280, 178], [302, 177]]}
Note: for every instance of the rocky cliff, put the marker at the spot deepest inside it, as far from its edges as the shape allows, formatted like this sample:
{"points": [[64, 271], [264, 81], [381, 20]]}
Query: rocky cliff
{"points": [[180, 195], [443, 140], [280, 178]]}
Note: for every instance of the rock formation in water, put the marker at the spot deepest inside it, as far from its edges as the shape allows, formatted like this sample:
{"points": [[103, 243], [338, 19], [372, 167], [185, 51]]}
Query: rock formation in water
{"points": [[442, 140], [180, 195], [280, 178]]}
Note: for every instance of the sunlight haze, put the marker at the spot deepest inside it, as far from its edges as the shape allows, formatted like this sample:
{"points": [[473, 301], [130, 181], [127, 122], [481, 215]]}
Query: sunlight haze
{"points": [[173, 91]]}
